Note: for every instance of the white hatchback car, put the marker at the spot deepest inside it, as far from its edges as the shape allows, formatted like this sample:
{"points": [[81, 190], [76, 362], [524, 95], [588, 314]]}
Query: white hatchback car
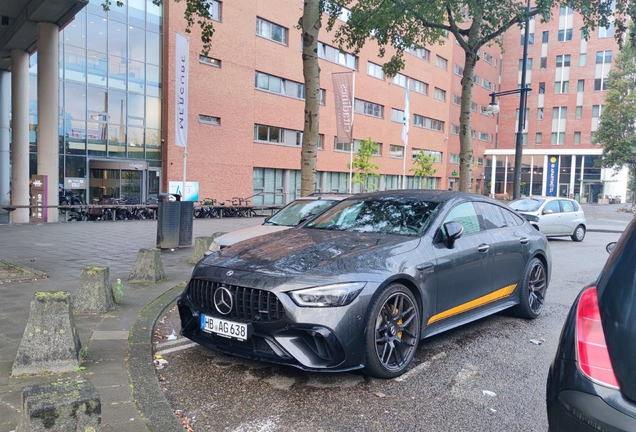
{"points": [[553, 216], [293, 214]]}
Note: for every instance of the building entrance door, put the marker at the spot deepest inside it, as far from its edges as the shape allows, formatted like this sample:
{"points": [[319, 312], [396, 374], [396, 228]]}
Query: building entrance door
{"points": [[117, 180]]}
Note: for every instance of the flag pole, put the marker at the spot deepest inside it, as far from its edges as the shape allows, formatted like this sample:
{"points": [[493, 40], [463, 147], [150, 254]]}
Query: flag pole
{"points": [[353, 98]]}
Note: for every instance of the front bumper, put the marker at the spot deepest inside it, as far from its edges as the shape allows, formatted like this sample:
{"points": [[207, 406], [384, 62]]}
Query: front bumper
{"points": [[575, 403], [313, 339]]}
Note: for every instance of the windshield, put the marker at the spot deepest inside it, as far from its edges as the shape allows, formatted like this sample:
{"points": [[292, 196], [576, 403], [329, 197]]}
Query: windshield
{"points": [[527, 204], [298, 210], [392, 215]]}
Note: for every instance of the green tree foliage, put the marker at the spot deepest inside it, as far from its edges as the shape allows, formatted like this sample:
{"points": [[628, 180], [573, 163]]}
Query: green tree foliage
{"points": [[365, 171], [423, 166], [404, 24], [616, 132]]}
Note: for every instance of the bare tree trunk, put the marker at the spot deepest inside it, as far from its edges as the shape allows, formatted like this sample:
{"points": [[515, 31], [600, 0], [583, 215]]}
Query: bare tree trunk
{"points": [[310, 25], [465, 137]]}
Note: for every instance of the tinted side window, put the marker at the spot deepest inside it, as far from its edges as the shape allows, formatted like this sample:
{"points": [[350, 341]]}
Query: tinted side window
{"points": [[568, 206], [512, 219], [466, 215], [552, 205], [492, 215]]}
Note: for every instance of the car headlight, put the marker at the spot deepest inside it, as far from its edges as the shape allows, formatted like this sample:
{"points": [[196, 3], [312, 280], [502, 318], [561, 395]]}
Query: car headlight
{"points": [[531, 218], [214, 247], [328, 295]]}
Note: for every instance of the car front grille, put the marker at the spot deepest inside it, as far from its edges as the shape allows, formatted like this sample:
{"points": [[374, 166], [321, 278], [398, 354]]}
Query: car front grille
{"points": [[248, 303]]}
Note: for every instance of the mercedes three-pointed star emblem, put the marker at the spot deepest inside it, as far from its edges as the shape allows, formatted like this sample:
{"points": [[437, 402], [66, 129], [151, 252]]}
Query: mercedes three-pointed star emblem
{"points": [[223, 300]]}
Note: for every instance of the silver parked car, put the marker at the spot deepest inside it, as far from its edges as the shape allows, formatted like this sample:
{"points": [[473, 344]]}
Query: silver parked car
{"points": [[553, 216], [298, 211]]}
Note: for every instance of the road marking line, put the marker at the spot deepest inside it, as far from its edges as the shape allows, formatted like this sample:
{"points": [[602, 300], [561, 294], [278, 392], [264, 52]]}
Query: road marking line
{"points": [[178, 348], [173, 342], [421, 367]]}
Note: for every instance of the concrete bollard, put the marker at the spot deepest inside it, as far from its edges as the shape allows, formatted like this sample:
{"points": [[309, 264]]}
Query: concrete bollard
{"points": [[50, 342], [94, 294], [70, 405], [201, 245], [148, 267]]}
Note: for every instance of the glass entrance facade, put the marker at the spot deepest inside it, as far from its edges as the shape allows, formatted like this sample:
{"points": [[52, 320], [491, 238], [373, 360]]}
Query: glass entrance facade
{"points": [[110, 99]]}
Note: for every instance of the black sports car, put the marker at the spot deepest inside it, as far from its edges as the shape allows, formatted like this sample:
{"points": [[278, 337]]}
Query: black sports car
{"points": [[361, 284], [592, 380]]}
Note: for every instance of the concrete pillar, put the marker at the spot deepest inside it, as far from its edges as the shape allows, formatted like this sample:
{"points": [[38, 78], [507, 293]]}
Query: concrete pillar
{"points": [[48, 88], [5, 163], [20, 138]]}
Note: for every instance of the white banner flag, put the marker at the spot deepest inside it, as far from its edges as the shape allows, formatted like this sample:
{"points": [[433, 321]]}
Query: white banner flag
{"points": [[343, 98], [407, 114], [181, 91]]}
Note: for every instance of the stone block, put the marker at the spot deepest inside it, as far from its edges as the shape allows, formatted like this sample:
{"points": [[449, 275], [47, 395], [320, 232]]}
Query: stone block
{"points": [[201, 245], [70, 405], [94, 294], [50, 342], [148, 267]]}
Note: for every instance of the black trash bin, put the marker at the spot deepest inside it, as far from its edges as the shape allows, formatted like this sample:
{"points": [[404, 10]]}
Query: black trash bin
{"points": [[186, 215], [168, 221]]}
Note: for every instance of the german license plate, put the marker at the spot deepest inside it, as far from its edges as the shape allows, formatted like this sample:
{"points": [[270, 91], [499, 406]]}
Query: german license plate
{"points": [[224, 328]]}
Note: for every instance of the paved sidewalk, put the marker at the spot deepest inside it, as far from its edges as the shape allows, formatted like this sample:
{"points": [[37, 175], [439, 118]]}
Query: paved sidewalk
{"points": [[117, 341], [119, 362]]}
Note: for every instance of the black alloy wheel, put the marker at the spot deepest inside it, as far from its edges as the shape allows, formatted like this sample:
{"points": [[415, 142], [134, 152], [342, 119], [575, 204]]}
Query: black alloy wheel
{"points": [[534, 284], [393, 332]]}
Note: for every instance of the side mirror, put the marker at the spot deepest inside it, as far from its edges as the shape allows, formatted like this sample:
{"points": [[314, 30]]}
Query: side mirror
{"points": [[610, 247], [548, 211], [452, 231]]}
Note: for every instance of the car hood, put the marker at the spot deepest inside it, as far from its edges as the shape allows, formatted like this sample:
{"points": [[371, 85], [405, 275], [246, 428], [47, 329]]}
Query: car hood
{"points": [[305, 255], [616, 290], [247, 233]]}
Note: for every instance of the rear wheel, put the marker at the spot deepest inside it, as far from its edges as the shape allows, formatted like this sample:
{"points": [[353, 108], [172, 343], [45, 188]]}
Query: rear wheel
{"points": [[534, 284], [393, 332], [579, 233]]}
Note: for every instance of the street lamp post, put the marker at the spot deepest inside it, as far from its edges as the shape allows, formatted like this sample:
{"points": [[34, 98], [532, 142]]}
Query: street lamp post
{"points": [[494, 108]]}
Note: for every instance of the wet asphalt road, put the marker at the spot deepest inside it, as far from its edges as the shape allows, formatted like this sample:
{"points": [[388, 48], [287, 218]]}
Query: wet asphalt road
{"points": [[443, 391]]}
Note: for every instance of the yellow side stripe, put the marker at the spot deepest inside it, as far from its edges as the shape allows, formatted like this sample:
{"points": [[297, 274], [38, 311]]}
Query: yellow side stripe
{"points": [[473, 304]]}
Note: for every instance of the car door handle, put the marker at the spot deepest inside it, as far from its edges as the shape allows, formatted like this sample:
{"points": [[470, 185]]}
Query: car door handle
{"points": [[483, 248], [524, 240], [426, 267]]}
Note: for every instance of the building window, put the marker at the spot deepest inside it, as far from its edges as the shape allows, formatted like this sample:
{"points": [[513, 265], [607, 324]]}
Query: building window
{"points": [[209, 120], [563, 60], [418, 86], [334, 55], [341, 147], [455, 129], [582, 59], [483, 136], [541, 88], [396, 151], [488, 58], [436, 155], [271, 31], [209, 61], [397, 115], [457, 99], [530, 38], [484, 110], [283, 86], [579, 112], [441, 62], [473, 133], [486, 84], [559, 112], [544, 37], [605, 32], [400, 80], [428, 123], [539, 113], [214, 7], [544, 63], [454, 159], [538, 138], [561, 87], [422, 53], [440, 94], [368, 108], [577, 137], [558, 138], [277, 135], [601, 74], [375, 70], [566, 17], [597, 110], [580, 85], [528, 64], [458, 70]]}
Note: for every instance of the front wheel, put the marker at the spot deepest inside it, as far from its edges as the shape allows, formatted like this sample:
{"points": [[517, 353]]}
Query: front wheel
{"points": [[534, 284], [393, 332], [579, 234]]}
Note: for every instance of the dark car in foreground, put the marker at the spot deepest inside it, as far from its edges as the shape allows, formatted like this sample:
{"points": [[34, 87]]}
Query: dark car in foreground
{"points": [[592, 380], [361, 284]]}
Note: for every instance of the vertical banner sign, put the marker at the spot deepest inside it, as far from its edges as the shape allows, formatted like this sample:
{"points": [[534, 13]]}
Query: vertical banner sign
{"points": [[405, 130], [343, 95], [181, 93], [553, 176], [38, 198]]}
